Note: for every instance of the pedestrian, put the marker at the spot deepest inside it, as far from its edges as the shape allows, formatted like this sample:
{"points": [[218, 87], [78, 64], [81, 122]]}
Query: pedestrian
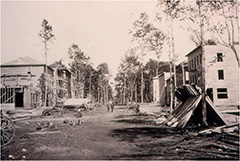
{"points": [[108, 107], [112, 107]]}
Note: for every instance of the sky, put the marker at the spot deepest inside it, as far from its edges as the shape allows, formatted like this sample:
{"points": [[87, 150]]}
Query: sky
{"points": [[99, 28]]}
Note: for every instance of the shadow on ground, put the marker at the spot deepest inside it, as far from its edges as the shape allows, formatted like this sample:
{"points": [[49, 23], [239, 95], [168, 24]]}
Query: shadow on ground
{"points": [[131, 134], [136, 121]]}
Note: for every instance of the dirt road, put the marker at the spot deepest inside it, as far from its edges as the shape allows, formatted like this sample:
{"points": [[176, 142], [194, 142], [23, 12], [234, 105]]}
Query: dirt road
{"points": [[101, 135]]}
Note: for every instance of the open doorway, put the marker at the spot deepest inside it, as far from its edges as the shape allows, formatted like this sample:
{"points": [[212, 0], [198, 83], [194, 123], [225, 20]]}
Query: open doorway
{"points": [[19, 99], [210, 93]]}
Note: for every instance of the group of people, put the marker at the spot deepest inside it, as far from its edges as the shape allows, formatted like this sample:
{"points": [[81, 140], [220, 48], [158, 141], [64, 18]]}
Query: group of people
{"points": [[133, 106]]}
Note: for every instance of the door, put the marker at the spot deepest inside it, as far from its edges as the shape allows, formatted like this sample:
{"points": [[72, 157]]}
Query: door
{"points": [[19, 99], [210, 93]]}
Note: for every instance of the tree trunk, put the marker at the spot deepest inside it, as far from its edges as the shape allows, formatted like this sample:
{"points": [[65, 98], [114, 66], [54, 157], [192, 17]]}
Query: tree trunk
{"points": [[136, 93], [204, 108], [236, 54], [131, 95], [171, 89], [174, 66], [142, 86], [124, 90], [90, 84], [45, 100]]}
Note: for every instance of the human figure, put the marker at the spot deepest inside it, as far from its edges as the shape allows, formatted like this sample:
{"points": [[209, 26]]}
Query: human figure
{"points": [[108, 107], [112, 106]]}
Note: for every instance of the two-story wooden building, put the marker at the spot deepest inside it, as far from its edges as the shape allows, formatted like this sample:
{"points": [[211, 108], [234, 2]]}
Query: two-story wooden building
{"points": [[24, 81], [221, 73]]}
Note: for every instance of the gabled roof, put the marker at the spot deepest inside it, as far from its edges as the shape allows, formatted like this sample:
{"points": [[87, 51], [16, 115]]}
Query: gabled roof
{"points": [[194, 50], [24, 61]]}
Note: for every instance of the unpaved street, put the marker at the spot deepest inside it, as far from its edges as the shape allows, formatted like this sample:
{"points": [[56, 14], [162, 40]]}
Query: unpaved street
{"points": [[104, 135]]}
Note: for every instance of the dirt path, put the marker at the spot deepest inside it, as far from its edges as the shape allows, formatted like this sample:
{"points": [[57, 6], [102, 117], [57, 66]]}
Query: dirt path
{"points": [[102, 135], [91, 139]]}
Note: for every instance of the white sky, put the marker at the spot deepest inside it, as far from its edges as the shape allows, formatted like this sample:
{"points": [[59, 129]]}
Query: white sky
{"points": [[99, 28]]}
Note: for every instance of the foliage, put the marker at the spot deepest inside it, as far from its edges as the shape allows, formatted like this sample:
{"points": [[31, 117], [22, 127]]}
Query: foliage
{"points": [[103, 83], [46, 33], [79, 66], [58, 64]]}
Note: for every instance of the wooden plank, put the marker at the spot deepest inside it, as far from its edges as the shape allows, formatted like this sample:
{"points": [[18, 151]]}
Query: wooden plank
{"points": [[225, 148], [216, 152], [209, 101]]}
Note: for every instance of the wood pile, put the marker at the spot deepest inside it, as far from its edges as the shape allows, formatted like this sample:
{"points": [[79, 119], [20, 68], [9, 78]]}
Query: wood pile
{"points": [[189, 110]]}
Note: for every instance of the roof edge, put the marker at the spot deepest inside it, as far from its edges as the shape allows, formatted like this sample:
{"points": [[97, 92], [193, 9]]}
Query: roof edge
{"points": [[198, 47]]}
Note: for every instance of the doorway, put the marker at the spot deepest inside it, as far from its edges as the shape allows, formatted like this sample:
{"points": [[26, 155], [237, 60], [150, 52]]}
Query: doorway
{"points": [[19, 99], [210, 93]]}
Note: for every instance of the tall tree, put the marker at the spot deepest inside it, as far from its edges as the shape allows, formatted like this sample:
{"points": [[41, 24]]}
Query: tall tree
{"points": [[141, 29], [131, 66], [47, 36], [129, 69], [171, 9], [198, 14], [103, 82], [79, 66], [156, 40]]}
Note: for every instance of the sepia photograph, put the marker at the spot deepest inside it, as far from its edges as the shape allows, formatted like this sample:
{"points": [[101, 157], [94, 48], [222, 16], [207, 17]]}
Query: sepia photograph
{"points": [[120, 80]]}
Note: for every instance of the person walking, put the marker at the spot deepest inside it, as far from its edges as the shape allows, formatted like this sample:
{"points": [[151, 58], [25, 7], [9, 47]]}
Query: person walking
{"points": [[112, 107], [108, 106]]}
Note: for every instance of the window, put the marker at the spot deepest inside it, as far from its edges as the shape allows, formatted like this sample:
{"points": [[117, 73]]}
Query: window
{"points": [[200, 59], [197, 60], [195, 63], [219, 57], [192, 64], [220, 75], [222, 93]]}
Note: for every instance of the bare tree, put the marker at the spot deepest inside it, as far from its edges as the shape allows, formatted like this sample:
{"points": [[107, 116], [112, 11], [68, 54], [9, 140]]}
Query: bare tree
{"points": [[225, 29]]}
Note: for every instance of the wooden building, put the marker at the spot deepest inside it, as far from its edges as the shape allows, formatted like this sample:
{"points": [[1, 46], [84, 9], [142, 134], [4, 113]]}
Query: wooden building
{"points": [[24, 81], [221, 73]]}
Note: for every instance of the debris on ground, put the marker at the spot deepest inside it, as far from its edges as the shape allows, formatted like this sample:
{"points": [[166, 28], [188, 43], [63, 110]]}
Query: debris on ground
{"points": [[43, 125], [47, 112], [189, 111], [24, 150], [79, 114], [221, 129], [44, 132], [11, 156], [223, 145], [160, 120], [71, 122]]}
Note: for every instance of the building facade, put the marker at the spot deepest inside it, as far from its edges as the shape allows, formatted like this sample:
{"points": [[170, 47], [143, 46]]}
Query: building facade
{"points": [[25, 80], [160, 94], [221, 73]]}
